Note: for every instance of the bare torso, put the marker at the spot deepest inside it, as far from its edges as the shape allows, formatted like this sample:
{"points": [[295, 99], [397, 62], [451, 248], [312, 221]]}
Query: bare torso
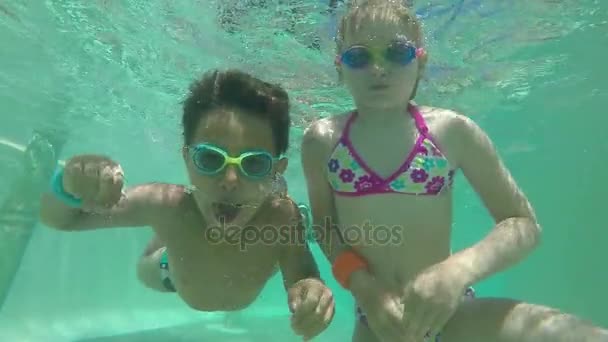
{"points": [[424, 222], [421, 240], [212, 276]]}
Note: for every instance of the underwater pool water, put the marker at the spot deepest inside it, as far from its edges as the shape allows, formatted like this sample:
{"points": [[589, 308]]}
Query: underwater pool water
{"points": [[109, 75]]}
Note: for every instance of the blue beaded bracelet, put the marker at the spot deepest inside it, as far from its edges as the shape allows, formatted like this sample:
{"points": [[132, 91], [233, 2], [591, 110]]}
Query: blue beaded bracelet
{"points": [[59, 191]]}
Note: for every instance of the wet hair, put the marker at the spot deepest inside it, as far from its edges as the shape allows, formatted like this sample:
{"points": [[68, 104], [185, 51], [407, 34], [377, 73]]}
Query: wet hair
{"points": [[391, 10], [385, 10], [237, 89]]}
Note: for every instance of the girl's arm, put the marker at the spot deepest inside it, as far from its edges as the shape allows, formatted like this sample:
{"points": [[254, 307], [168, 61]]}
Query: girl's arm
{"points": [[516, 232]]}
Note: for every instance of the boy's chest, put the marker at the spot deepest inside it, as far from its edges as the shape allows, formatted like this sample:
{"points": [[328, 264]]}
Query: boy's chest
{"points": [[214, 276], [230, 269], [243, 255]]}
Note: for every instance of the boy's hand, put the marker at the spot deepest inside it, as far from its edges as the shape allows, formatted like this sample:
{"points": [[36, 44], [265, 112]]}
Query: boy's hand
{"points": [[312, 305], [97, 180]]}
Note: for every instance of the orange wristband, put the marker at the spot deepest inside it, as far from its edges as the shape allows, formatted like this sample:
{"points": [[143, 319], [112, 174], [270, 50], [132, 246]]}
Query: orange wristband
{"points": [[345, 264]]}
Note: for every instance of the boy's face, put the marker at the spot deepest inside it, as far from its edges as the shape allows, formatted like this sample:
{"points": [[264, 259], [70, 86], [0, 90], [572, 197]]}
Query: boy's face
{"points": [[232, 196]]}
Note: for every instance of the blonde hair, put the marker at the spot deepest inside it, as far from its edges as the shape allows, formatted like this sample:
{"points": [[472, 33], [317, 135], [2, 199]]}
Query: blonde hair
{"points": [[384, 10]]}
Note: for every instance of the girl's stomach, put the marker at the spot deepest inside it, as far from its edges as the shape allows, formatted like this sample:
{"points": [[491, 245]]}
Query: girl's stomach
{"points": [[399, 235]]}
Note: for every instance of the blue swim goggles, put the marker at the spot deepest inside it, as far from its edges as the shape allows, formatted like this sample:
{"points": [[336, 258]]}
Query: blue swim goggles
{"points": [[359, 56], [211, 160]]}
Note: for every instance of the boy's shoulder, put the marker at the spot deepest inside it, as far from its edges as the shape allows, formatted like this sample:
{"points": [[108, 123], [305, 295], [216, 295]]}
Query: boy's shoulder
{"points": [[282, 212]]}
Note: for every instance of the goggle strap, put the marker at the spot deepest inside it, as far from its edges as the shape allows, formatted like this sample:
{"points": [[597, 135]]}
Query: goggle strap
{"points": [[420, 52]]}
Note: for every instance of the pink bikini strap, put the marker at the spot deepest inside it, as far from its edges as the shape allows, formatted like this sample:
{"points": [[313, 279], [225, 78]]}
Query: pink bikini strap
{"points": [[414, 112], [345, 132], [420, 124]]}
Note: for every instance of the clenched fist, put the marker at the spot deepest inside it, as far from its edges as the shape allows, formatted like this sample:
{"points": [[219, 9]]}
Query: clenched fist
{"points": [[96, 180]]}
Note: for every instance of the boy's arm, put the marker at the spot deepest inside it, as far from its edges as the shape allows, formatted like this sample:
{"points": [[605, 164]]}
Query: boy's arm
{"points": [[296, 259], [142, 205], [310, 301]]}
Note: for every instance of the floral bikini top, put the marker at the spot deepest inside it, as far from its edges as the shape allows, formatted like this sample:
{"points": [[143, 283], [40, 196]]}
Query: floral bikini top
{"points": [[426, 171]]}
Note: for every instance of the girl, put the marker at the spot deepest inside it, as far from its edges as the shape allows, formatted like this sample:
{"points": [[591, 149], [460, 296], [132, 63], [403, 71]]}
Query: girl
{"points": [[391, 163]]}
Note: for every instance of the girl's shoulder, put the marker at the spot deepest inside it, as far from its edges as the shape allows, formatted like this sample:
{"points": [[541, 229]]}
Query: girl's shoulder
{"points": [[443, 116], [453, 131], [326, 130], [446, 122], [322, 135]]}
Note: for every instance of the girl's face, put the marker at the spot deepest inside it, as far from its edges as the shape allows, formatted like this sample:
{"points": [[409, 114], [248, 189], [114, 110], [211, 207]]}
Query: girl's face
{"points": [[379, 65]]}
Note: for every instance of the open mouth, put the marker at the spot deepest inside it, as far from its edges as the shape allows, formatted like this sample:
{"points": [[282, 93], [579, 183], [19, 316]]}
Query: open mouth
{"points": [[226, 212]]}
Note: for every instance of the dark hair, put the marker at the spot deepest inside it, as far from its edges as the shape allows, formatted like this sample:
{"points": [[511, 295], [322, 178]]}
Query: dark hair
{"points": [[237, 89]]}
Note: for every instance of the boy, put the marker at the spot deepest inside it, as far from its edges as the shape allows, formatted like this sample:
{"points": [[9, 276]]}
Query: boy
{"points": [[217, 243]]}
